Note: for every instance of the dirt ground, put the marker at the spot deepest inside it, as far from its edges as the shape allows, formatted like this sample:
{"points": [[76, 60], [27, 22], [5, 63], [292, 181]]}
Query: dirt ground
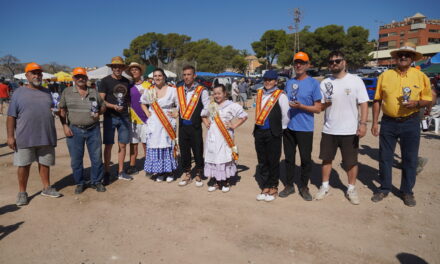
{"points": [[147, 222]]}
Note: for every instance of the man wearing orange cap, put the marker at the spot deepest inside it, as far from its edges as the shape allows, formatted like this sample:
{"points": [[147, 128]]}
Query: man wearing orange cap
{"points": [[304, 96], [80, 108], [114, 90], [31, 132]]}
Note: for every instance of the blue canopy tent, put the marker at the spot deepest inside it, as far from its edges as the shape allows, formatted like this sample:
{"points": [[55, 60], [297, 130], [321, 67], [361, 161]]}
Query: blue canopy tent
{"points": [[206, 74], [231, 74]]}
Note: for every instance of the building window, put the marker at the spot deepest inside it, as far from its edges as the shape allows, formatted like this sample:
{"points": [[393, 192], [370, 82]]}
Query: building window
{"points": [[402, 33], [392, 44], [434, 31], [433, 40], [383, 45], [392, 34], [414, 40], [383, 35]]}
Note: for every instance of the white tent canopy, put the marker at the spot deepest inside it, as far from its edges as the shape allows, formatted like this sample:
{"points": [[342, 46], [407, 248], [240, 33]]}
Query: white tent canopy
{"points": [[22, 76], [102, 72], [167, 73]]}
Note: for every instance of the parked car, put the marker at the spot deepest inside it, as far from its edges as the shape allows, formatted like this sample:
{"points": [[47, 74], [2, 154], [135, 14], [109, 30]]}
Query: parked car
{"points": [[366, 70], [370, 84], [380, 69]]}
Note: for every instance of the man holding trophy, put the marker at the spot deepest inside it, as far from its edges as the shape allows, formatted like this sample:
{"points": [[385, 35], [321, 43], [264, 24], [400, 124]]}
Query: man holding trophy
{"points": [[343, 93], [304, 100], [114, 90], [400, 93]]}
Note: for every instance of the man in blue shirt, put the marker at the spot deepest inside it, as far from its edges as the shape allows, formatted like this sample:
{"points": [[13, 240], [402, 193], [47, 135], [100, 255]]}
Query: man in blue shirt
{"points": [[304, 100]]}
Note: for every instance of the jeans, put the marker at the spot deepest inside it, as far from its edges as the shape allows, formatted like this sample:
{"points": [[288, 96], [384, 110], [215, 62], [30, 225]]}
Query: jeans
{"points": [[112, 123], [408, 133], [92, 138]]}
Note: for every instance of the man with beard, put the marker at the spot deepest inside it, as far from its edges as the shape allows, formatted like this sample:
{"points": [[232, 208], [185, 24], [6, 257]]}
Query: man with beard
{"points": [[31, 132], [400, 93], [114, 91], [81, 106], [342, 94]]}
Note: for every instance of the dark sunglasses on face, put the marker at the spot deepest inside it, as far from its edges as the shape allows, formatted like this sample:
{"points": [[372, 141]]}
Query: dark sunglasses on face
{"points": [[337, 61], [80, 76], [300, 62], [404, 54]]}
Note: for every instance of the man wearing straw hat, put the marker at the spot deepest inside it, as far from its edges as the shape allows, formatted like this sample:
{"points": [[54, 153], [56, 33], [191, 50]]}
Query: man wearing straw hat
{"points": [[114, 90], [80, 108], [138, 118], [400, 94], [31, 132]]}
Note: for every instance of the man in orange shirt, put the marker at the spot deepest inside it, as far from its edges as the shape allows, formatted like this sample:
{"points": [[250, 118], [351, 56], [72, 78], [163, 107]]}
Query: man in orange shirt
{"points": [[400, 93], [4, 94]]}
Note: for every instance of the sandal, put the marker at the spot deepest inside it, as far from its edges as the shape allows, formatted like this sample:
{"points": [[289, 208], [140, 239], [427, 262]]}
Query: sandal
{"points": [[262, 196], [198, 179], [186, 179], [272, 195]]}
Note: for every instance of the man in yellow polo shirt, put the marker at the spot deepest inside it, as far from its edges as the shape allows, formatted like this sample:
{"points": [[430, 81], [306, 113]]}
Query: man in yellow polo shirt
{"points": [[400, 93]]}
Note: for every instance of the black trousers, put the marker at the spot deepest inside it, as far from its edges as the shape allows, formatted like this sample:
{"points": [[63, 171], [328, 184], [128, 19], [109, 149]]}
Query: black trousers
{"points": [[304, 141], [268, 149], [191, 138]]}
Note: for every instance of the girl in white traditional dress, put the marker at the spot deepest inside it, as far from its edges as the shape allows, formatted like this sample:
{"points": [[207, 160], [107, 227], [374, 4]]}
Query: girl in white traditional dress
{"points": [[160, 158], [219, 163]]}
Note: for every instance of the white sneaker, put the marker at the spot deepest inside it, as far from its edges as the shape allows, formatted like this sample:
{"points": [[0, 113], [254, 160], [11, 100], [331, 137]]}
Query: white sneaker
{"points": [[159, 179], [353, 197], [269, 198], [199, 183], [322, 193], [170, 179], [225, 189], [212, 188], [261, 197]]}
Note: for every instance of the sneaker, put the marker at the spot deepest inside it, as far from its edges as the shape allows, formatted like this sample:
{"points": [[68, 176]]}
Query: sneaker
{"points": [[160, 179], [288, 190], [79, 188], [409, 200], [199, 183], [106, 178], [98, 187], [212, 188], [124, 176], [50, 192], [132, 170], [305, 194], [225, 189], [322, 193], [269, 197], [170, 179], [22, 199], [261, 196], [377, 197], [353, 197]]}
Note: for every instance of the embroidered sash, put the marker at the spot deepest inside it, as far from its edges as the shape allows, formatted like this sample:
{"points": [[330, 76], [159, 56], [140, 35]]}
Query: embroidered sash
{"points": [[226, 136], [186, 111], [262, 113]]}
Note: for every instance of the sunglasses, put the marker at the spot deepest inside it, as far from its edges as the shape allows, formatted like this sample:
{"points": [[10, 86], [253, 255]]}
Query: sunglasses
{"points": [[337, 61], [299, 62], [404, 54], [80, 76]]}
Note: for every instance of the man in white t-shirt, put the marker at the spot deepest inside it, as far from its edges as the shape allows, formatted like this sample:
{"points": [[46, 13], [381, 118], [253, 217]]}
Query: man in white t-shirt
{"points": [[342, 94]]}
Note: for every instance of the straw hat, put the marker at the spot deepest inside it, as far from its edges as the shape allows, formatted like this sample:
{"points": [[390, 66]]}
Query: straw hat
{"points": [[116, 61], [407, 47], [137, 65]]}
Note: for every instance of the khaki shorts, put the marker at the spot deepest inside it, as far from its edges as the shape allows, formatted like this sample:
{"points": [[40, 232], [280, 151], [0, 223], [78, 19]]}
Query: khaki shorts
{"points": [[138, 133], [44, 155]]}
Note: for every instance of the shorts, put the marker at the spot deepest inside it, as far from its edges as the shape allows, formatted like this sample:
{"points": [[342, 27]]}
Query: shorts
{"points": [[243, 96], [138, 133], [112, 123], [3, 100], [44, 155], [349, 145]]}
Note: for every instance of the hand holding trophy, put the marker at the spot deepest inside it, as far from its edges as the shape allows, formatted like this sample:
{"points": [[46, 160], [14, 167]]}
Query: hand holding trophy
{"points": [[55, 102], [119, 92], [406, 94], [328, 92]]}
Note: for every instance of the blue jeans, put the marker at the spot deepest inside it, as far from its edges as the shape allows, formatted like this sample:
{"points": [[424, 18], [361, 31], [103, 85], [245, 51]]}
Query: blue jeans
{"points": [[112, 123], [408, 133], [92, 138]]}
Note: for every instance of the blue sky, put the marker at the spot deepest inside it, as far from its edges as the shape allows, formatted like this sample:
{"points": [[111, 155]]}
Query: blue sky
{"points": [[89, 33]]}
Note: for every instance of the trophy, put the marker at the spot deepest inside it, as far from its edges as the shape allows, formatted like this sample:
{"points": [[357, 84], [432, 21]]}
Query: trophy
{"points": [[212, 109], [328, 92], [406, 94], [119, 92], [94, 109], [295, 89], [55, 101]]}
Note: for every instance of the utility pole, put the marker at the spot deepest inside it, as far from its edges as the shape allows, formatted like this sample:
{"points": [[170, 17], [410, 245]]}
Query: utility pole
{"points": [[377, 41], [297, 16]]}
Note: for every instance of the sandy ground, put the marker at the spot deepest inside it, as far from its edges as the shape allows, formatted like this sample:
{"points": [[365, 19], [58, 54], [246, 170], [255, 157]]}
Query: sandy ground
{"points": [[147, 222]]}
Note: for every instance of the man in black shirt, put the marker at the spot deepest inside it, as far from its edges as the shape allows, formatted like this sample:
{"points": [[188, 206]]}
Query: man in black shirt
{"points": [[114, 90]]}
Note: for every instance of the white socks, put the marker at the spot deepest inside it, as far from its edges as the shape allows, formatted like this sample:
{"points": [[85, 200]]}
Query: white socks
{"points": [[325, 184], [350, 188]]}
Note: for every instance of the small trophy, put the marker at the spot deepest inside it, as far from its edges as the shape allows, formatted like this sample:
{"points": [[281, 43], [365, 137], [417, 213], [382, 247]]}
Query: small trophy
{"points": [[94, 109], [55, 101], [406, 94], [119, 92], [328, 92], [212, 109], [295, 89]]}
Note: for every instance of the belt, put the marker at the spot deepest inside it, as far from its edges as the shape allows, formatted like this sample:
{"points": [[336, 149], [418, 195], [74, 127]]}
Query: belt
{"points": [[88, 127], [401, 119]]}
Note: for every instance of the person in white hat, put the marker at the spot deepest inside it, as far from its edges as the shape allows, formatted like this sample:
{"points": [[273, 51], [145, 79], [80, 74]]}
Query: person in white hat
{"points": [[400, 94]]}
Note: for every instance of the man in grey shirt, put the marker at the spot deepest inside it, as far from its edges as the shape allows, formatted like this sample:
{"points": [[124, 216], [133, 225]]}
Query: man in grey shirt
{"points": [[31, 132], [81, 107], [242, 88]]}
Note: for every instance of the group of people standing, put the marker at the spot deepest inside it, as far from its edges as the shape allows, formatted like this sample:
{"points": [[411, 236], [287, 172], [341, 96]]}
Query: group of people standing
{"points": [[167, 122]]}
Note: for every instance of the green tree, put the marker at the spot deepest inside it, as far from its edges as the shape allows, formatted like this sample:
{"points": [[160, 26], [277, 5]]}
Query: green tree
{"points": [[356, 47], [270, 45]]}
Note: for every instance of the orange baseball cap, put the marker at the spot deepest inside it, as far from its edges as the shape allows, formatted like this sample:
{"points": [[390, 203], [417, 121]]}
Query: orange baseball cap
{"points": [[32, 67], [79, 71], [301, 56]]}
